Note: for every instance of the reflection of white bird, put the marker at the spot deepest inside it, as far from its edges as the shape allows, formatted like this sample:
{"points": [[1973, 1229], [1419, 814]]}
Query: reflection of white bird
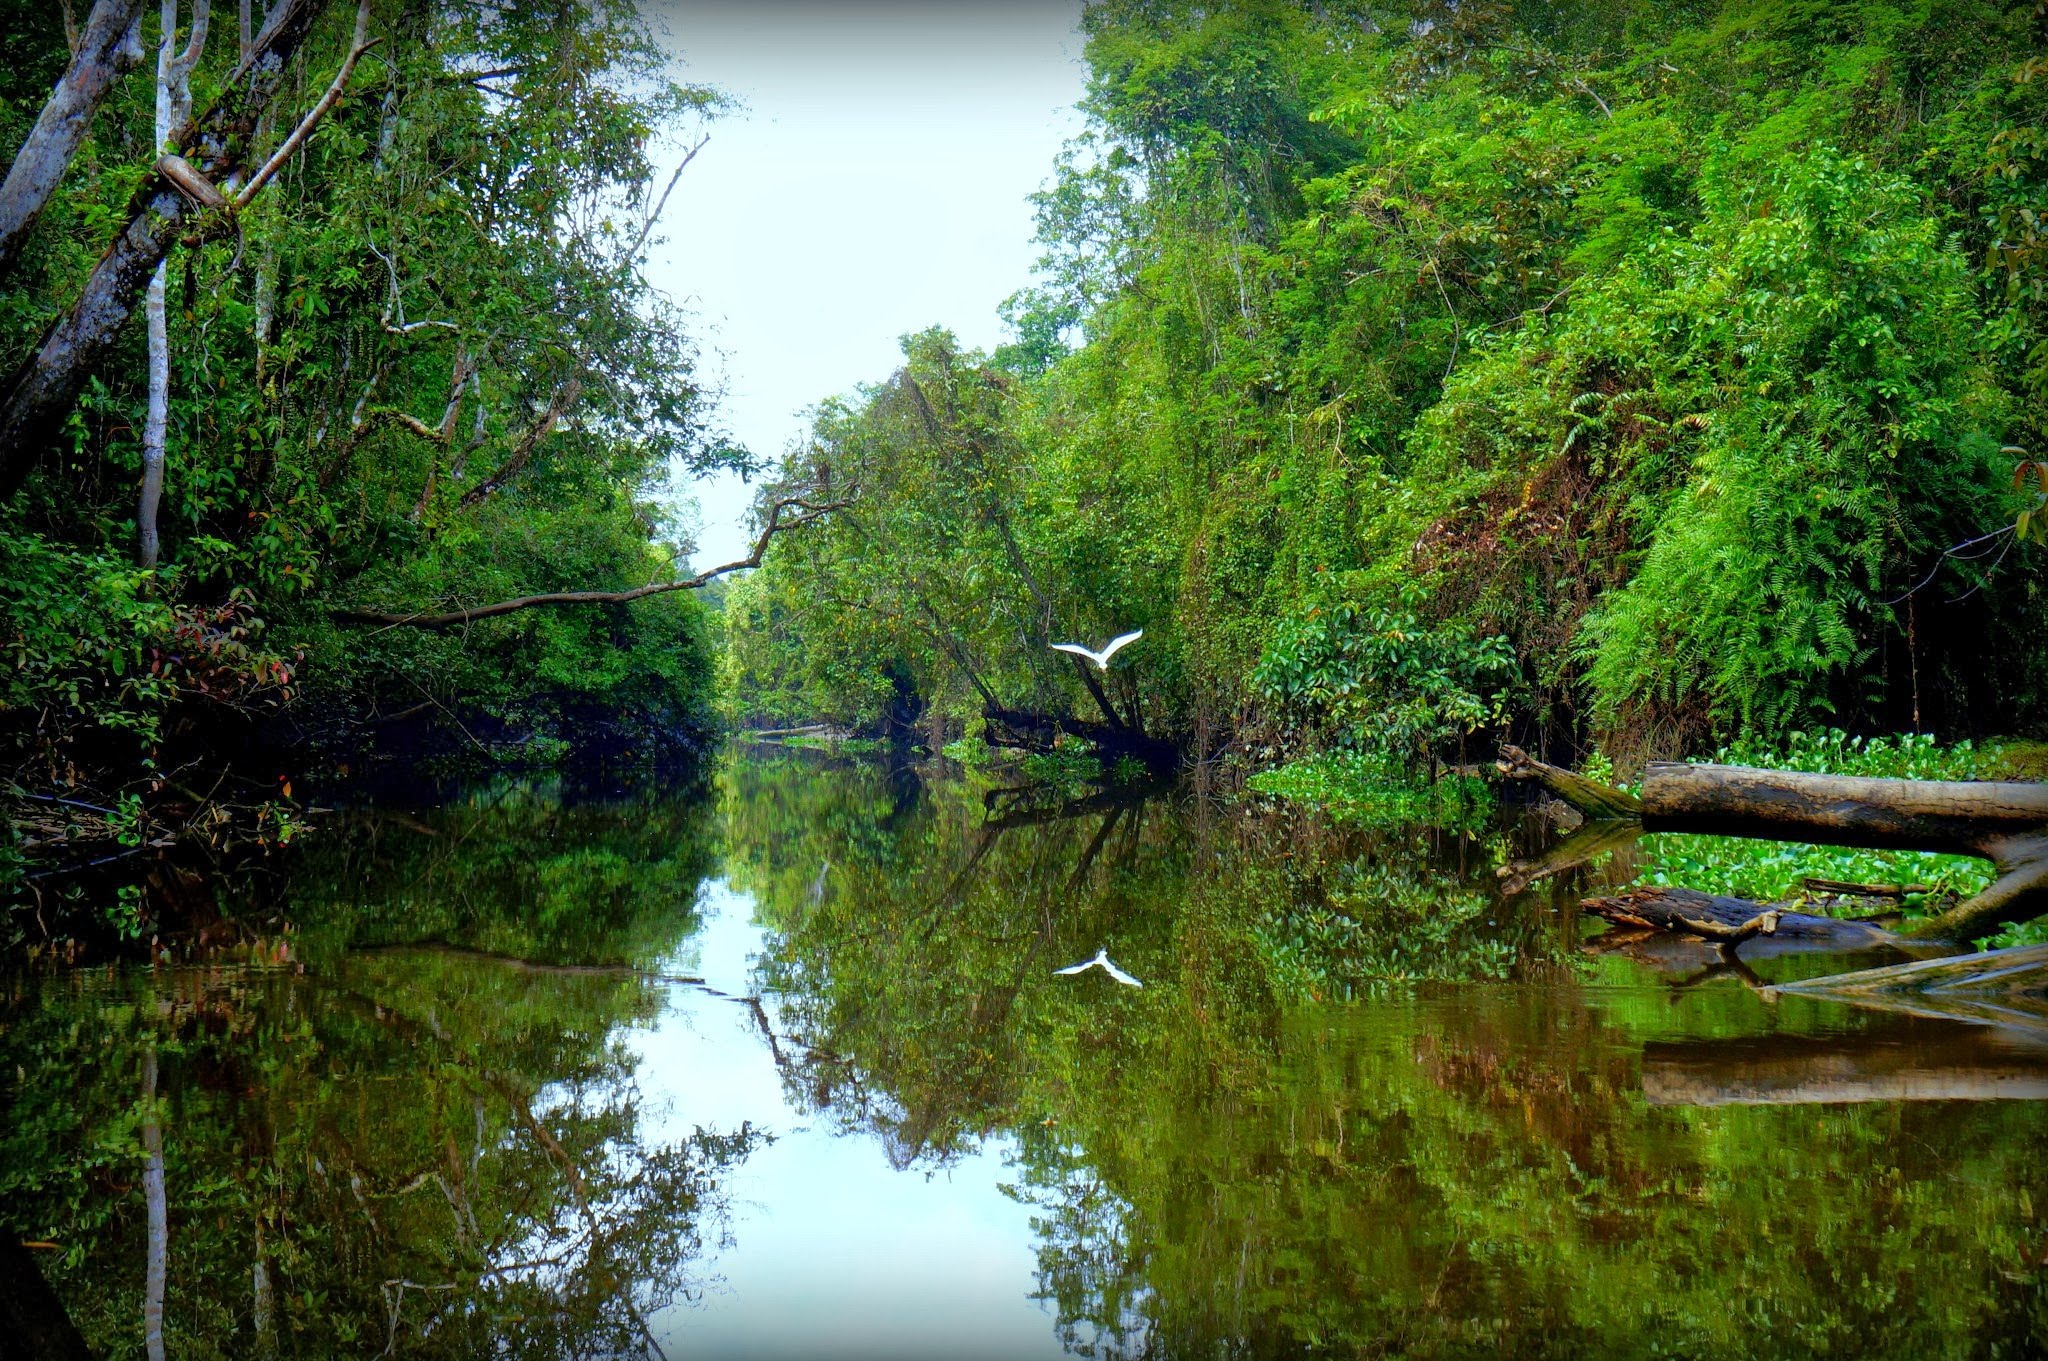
{"points": [[1102, 958], [1101, 659]]}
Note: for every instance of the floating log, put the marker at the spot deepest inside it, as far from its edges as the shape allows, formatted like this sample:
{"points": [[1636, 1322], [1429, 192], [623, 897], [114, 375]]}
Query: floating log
{"points": [[1728, 921], [1903, 1061]]}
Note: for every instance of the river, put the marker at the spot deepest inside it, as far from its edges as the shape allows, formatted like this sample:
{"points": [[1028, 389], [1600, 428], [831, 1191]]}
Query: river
{"points": [[778, 1065]]}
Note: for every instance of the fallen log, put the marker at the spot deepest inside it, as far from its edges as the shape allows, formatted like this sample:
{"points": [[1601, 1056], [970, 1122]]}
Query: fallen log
{"points": [[1729, 921], [2003, 821], [1599, 802], [1967, 817]]}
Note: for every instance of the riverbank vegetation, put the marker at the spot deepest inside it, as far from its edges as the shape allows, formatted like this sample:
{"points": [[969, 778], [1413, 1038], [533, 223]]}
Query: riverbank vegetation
{"points": [[1611, 376], [414, 368]]}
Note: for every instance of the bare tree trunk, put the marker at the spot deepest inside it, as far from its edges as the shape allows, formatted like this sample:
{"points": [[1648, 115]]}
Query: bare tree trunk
{"points": [[43, 390], [110, 46], [157, 1265], [173, 107]]}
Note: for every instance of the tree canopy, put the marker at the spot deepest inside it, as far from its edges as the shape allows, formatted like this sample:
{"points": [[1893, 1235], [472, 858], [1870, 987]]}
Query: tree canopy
{"points": [[1618, 373]]}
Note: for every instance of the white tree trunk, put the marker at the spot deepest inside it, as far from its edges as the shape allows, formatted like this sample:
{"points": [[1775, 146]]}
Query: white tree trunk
{"points": [[157, 1263], [173, 107]]}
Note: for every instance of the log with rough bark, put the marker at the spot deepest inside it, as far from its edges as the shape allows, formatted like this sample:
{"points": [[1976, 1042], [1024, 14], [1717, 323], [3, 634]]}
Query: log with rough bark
{"points": [[1966, 817], [1731, 920], [1599, 802], [2005, 822]]}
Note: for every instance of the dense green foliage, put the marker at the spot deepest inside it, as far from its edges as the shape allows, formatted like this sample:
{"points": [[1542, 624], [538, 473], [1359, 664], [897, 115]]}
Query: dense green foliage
{"points": [[1614, 371], [370, 1073], [423, 370]]}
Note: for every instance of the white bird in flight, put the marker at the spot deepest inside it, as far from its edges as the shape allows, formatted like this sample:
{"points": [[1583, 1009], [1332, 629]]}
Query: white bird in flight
{"points": [[1101, 659], [1102, 958]]}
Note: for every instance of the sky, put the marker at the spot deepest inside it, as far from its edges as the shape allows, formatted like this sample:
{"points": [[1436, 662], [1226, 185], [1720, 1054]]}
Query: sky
{"points": [[876, 183]]}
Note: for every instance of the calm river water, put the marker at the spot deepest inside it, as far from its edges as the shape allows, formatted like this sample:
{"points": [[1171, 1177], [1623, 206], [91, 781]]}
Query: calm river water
{"points": [[780, 1067]]}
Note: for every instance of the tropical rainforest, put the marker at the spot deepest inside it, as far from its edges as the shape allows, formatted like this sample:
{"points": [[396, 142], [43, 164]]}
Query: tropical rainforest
{"points": [[374, 337], [1617, 376], [1611, 377]]}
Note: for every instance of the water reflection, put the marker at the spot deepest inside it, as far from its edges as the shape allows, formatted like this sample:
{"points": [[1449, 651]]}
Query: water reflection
{"points": [[787, 1072]]}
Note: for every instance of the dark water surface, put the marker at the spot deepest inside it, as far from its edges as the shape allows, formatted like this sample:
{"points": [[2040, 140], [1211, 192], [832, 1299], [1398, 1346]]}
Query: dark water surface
{"points": [[781, 1068]]}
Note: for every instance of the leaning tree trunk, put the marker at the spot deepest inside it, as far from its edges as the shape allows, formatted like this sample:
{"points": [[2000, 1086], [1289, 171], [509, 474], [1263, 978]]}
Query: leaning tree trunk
{"points": [[43, 390], [110, 46]]}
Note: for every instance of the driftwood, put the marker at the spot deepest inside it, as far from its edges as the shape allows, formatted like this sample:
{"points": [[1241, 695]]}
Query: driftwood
{"points": [[2005, 822], [1728, 921]]}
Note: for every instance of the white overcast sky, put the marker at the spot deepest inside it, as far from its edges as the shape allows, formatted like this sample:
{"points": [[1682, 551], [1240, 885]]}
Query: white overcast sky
{"points": [[877, 183]]}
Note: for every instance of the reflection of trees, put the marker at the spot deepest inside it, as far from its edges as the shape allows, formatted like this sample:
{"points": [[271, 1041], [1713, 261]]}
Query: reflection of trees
{"points": [[1218, 1173], [427, 1147], [909, 977]]}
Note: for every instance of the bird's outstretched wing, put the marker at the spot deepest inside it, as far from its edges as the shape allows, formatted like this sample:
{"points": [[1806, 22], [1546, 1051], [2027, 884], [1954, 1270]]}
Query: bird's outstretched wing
{"points": [[1119, 975], [1083, 967], [1120, 640], [1079, 651]]}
